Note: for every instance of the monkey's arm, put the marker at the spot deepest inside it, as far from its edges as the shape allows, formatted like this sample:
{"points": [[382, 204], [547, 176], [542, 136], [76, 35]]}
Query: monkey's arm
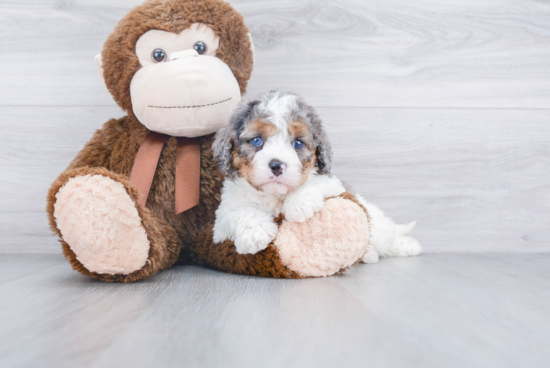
{"points": [[96, 152], [101, 150], [224, 257]]}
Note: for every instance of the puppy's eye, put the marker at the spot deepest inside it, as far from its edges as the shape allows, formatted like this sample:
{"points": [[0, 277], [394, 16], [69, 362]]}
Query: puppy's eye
{"points": [[256, 141], [298, 144], [200, 47]]}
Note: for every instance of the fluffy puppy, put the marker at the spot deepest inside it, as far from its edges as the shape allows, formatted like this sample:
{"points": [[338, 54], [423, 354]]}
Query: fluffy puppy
{"points": [[277, 159]]}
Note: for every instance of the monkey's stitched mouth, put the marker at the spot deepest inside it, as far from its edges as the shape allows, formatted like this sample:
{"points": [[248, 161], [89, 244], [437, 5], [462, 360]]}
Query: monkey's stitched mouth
{"points": [[190, 107]]}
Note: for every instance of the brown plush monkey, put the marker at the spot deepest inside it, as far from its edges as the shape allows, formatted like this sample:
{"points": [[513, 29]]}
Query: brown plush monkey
{"points": [[143, 192]]}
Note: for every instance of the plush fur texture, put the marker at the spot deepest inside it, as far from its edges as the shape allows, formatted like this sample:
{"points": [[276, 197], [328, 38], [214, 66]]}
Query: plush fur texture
{"points": [[163, 239], [333, 239], [120, 61], [187, 94], [94, 213], [224, 257], [112, 150]]}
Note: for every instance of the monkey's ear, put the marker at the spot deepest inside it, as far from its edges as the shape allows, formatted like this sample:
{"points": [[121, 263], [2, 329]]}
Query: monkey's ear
{"points": [[99, 65], [252, 49]]}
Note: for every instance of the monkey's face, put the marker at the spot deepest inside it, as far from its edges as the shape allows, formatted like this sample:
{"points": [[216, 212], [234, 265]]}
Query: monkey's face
{"points": [[179, 66], [182, 88]]}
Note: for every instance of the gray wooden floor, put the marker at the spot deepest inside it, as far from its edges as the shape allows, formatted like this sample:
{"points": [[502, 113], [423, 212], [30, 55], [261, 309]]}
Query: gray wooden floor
{"points": [[438, 111], [443, 310]]}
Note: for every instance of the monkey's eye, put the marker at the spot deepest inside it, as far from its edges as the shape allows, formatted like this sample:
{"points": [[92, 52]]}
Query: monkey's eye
{"points": [[298, 144], [200, 47], [159, 55], [256, 141]]}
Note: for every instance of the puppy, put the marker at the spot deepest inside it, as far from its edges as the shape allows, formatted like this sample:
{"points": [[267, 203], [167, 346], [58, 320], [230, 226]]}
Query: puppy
{"points": [[277, 159]]}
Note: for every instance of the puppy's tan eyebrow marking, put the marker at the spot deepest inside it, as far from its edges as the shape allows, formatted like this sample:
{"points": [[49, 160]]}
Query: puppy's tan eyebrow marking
{"points": [[262, 128], [298, 129]]}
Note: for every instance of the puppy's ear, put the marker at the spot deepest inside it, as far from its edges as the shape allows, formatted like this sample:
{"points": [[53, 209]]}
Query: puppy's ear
{"points": [[222, 147], [324, 152], [226, 138], [324, 149]]}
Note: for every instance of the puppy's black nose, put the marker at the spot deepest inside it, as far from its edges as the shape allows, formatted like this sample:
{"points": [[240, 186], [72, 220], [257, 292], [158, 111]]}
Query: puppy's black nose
{"points": [[276, 167]]}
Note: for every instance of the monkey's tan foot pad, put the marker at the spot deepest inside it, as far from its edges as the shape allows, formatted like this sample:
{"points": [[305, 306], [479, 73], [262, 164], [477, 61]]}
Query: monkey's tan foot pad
{"points": [[100, 222], [332, 240]]}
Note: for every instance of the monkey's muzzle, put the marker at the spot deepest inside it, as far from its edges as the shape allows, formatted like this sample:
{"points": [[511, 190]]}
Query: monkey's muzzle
{"points": [[189, 96]]}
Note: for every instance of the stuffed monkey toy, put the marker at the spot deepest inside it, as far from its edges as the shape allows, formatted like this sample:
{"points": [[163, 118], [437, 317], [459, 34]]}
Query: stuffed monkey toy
{"points": [[141, 195]]}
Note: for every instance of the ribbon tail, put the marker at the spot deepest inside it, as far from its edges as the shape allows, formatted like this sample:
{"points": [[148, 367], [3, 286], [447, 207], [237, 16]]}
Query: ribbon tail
{"points": [[188, 174], [145, 164]]}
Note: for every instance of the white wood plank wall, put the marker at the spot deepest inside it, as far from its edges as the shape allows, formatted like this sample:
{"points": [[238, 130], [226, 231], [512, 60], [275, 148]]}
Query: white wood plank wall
{"points": [[438, 111]]}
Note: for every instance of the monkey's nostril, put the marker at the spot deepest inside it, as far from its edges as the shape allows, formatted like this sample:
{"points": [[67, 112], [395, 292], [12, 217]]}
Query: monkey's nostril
{"points": [[276, 167]]}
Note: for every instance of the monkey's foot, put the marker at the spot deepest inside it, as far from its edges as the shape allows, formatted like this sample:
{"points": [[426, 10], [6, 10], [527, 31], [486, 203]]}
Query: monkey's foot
{"points": [[100, 223], [332, 240]]}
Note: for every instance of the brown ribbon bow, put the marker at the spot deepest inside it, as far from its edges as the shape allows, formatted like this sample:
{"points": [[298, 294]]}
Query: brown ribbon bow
{"points": [[188, 169]]}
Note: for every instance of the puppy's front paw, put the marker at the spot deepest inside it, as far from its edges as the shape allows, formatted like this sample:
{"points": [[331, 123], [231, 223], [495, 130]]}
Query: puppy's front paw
{"points": [[302, 208], [251, 239]]}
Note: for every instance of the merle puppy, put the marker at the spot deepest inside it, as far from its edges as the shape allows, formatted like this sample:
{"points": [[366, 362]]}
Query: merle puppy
{"points": [[277, 159]]}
